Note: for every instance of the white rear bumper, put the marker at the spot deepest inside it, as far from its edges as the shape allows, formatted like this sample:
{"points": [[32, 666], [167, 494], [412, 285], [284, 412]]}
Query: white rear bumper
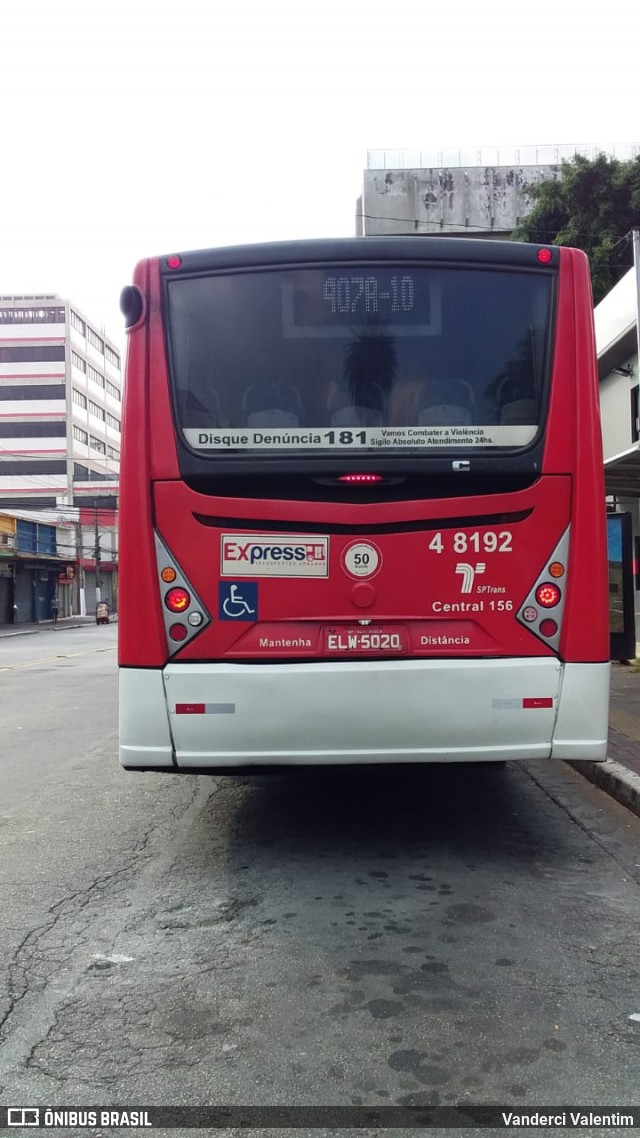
{"points": [[207, 716]]}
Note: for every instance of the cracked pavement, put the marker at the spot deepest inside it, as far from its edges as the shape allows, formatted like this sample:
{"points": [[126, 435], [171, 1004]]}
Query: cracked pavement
{"points": [[329, 937]]}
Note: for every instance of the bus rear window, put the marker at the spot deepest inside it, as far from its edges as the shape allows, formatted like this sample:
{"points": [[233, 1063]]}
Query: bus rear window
{"points": [[376, 358]]}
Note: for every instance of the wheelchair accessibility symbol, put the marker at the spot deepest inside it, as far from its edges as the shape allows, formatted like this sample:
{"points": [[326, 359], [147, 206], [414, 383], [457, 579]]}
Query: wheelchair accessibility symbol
{"points": [[238, 600]]}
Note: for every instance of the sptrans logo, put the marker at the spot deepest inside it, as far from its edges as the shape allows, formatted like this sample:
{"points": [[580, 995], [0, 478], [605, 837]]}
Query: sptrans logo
{"points": [[272, 555]]}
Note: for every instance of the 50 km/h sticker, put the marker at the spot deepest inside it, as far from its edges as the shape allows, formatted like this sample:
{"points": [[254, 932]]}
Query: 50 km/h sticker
{"points": [[361, 559]]}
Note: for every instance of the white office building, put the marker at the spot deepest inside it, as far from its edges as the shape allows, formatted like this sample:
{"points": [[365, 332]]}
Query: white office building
{"points": [[60, 405]]}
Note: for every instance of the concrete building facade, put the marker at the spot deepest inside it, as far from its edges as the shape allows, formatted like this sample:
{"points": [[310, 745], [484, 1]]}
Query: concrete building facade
{"points": [[37, 563], [477, 193], [482, 202], [70, 555], [60, 405], [60, 431]]}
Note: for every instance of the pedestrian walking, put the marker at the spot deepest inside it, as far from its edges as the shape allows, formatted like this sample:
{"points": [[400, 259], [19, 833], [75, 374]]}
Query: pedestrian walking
{"points": [[55, 609]]}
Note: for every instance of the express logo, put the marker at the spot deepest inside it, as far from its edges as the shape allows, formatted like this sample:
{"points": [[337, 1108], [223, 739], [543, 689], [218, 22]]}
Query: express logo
{"points": [[252, 555], [251, 552]]}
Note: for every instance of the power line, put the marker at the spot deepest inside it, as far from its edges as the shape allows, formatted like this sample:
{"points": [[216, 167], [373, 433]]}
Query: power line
{"points": [[438, 225]]}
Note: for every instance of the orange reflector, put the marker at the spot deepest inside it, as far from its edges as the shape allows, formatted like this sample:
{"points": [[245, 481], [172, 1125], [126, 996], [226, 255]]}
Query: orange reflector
{"points": [[168, 575], [556, 569]]}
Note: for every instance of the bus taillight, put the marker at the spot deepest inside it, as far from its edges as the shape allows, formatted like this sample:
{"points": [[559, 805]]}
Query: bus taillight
{"points": [[548, 628], [177, 600], [361, 478], [548, 595], [544, 594]]}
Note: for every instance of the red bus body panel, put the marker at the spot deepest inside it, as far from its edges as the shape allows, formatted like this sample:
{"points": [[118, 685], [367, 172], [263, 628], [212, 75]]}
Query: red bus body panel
{"points": [[415, 584]]}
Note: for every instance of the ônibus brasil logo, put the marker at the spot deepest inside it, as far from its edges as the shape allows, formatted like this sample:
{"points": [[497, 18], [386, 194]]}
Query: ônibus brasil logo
{"points": [[469, 573]]}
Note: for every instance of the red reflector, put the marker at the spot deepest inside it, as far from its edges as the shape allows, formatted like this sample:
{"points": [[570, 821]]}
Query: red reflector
{"points": [[548, 627], [360, 478], [177, 600], [548, 595], [189, 709], [178, 632], [544, 256], [532, 703], [174, 261]]}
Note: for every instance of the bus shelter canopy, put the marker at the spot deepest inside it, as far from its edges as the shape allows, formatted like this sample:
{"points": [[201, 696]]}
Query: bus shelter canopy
{"points": [[622, 473]]}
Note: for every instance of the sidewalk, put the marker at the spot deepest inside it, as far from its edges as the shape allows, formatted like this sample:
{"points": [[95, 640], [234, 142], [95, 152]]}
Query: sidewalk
{"points": [[45, 626], [620, 775]]}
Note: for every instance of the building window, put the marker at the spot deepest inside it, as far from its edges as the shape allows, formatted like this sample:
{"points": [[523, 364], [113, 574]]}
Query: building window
{"points": [[31, 315], [29, 466], [57, 430], [97, 444], [47, 539], [32, 354], [80, 435], [26, 536], [113, 453], [85, 474], [113, 391], [112, 356], [33, 391], [95, 340], [78, 323], [79, 398], [95, 410], [95, 376], [78, 362], [113, 422], [40, 503]]}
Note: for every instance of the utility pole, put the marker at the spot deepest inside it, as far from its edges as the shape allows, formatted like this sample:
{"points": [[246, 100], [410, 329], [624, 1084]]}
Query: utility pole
{"points": [[97, 553], [637, 264], [82, 609]]}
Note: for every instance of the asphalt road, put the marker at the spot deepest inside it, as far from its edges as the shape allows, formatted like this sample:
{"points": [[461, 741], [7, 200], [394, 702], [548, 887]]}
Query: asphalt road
{"points": [[329, 937]]}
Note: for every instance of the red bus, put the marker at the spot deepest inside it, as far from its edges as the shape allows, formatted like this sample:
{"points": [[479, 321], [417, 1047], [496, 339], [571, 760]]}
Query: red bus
{"points": [[362, 507]]}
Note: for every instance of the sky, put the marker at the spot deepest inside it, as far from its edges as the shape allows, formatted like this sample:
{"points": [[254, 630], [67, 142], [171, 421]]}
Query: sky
{"points": [[132, 128]]}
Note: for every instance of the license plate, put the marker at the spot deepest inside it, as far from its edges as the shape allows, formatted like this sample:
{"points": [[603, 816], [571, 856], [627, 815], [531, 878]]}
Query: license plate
{"points": [[392, 639]]}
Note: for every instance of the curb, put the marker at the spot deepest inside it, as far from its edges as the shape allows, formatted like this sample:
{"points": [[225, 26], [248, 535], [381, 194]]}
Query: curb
{"points": [[48, 626], [614, 779]]}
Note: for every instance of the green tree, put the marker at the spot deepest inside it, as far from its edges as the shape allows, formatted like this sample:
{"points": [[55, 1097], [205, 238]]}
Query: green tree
{"points": [[592, 205]]}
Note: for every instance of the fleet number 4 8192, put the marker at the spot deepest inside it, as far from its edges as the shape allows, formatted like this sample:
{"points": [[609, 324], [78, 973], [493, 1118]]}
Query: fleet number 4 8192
{"points": [[476, 542]]}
